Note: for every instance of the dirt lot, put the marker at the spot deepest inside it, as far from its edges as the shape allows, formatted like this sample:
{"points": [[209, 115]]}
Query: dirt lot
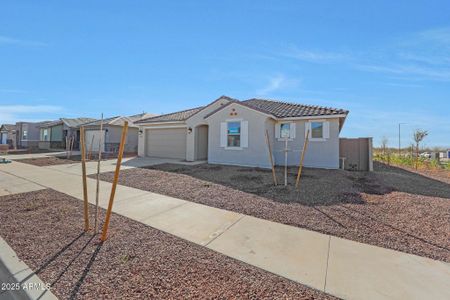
{"points": [[137, 261], [62, 160], [391, 207], [28, 151]]}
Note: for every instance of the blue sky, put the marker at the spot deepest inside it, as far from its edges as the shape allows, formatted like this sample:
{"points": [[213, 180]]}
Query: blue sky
{"points": [[385, 61]]}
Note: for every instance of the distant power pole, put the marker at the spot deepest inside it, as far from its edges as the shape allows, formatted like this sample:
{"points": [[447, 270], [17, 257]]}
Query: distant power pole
{"points": [[399, 138]]}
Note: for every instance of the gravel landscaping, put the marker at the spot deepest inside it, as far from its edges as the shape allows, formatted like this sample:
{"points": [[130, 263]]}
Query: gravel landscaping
{"points": [[137, 261], [390, 207], [62, 160]]}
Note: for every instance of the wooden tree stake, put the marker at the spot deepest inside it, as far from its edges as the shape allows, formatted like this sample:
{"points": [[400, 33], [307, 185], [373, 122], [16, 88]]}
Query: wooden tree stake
{"points": [[83, 168], [116, 178], [90, 148], [300, 167], [98, 176], [271, 159]]}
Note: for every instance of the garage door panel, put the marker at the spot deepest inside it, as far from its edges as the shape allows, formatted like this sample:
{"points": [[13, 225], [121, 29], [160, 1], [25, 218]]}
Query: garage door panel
{"points": [[167, 142], [93, 137]]}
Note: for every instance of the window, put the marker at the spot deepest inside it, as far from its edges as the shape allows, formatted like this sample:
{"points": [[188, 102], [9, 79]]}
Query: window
{"points": [[44, 136], [234, 134], [285, 130], [317, 130], [24, 135]]}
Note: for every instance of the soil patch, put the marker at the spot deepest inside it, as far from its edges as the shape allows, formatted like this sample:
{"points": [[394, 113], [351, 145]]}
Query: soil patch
{"points": [[62, 160], [136, 262]]}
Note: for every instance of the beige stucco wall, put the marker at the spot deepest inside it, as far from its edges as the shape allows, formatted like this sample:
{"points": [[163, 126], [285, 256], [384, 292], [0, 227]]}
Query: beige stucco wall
{"points": [[196, 120], [256, 152], [319, 154]]}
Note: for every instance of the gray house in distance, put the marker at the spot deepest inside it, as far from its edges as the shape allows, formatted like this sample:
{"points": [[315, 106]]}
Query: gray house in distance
{"points": [[112, 132], [53, 134], [8, 135], [229, 131], [28, 134]]}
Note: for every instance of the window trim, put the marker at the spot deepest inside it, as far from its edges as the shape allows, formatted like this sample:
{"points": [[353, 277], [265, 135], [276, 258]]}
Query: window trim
{"points": [[290, 139], [240, 134], [312, 139]]}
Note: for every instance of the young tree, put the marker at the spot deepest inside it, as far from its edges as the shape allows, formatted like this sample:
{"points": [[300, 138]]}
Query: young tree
{"points": [[418, 136], [384, 143]]}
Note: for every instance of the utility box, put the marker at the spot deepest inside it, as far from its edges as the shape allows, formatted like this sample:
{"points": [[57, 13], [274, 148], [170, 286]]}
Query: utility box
{"points": [[356, 154]]}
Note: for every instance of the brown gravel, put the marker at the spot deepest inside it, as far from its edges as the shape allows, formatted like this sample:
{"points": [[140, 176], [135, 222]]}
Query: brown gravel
{"points": [[390, 207], [62, 160], [137, 261]]}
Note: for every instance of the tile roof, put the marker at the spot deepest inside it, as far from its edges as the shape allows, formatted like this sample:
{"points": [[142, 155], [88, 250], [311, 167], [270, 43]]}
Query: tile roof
{"points": [[176, 116], [278, 109], [8, 127], [281, 109], [73, 122]]}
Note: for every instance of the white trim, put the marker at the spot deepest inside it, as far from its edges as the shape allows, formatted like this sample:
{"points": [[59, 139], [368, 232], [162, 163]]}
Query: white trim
{"points": [[233, 148], [281, 139], [210, 104], [164, 127], [227, 121], [159, 123], [311, 118], [242, 105]]}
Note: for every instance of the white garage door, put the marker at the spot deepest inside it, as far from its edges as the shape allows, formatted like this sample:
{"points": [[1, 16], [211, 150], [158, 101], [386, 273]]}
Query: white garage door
{"points": [[93, 140], [168, 143]]}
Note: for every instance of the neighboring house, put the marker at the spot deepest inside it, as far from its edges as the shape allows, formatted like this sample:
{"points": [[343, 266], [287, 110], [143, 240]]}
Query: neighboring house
{"points": [[112, 132], [53, 135], [28, 134], [8, 135], [229, 131]]}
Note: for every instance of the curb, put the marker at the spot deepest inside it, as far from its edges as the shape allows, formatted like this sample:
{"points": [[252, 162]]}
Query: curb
{"points": [[22, 274]]}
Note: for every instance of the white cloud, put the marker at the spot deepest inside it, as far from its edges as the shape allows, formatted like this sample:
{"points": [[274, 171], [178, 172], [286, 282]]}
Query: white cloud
{"points": [[314, 56], [14, 113], [5, 40], [276, 83], [438, 74]]}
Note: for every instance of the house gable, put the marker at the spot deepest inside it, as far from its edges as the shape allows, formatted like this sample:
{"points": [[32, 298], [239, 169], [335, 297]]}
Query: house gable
{"points": [[253, 126]]}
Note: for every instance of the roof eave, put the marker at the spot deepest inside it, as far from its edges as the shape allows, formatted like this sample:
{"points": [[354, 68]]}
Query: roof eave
{"points": [[159, 123], [331, 116]]}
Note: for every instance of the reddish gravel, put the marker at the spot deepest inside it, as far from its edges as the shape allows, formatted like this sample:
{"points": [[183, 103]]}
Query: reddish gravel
{"points": [[137, 261], [390, 207]]}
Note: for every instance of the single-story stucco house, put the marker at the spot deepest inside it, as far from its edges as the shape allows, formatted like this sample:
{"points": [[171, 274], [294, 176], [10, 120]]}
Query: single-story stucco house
{"points": [[229, 131], [8, 135], [112, 132], [53, 134], [28, 134]]}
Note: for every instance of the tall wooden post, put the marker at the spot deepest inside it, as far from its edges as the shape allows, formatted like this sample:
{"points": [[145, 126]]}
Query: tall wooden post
{"points": [[90, 147], [98, 176], [116, 178], [83, 169], [271, 159], [285, 160], [300, 167]]}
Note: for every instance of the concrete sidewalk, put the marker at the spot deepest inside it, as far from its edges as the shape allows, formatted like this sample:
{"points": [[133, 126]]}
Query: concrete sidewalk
{"points": [[340, 267], [15, 271]]}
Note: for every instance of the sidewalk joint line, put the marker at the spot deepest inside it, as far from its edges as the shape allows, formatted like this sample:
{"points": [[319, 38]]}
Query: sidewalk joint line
{"points": [[328, 258], [226, 229]]}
